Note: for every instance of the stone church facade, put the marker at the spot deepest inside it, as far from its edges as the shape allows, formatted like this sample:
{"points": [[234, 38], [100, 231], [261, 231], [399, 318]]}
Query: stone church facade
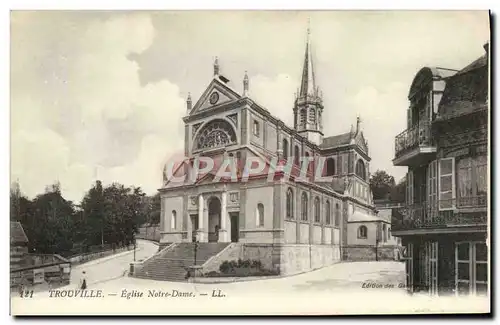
{"points": [[297, 223]]}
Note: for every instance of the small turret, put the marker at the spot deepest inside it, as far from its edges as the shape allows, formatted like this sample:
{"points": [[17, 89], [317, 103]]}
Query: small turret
{"points": [[245, 85], [216, 66], [189, 103]]}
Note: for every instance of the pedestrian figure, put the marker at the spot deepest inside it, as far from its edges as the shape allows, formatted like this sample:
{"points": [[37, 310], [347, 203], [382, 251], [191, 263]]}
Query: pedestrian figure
{"points": [[83, 282], [188, 275], [217, 233]]}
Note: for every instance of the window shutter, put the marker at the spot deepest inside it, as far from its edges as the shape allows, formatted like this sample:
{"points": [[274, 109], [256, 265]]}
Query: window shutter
{"points": [[446, 174], [409, 188]]}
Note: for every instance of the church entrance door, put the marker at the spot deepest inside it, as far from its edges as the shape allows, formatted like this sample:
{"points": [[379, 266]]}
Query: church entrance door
{"points": [[214, 210], [235, 227]]}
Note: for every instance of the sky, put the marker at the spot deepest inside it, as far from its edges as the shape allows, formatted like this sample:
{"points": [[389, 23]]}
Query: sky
{"points": [[101, 95]]}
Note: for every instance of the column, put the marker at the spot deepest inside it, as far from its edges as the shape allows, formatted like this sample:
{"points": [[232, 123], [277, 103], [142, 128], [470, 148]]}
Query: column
{"points": [[223, 218], [201, 208]]}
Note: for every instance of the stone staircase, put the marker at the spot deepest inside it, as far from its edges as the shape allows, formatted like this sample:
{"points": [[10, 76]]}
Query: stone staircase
{"points": [[171, 263]]}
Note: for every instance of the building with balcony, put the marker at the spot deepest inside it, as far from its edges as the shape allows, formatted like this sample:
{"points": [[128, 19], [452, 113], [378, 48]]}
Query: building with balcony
{"points": [[444, 223]]}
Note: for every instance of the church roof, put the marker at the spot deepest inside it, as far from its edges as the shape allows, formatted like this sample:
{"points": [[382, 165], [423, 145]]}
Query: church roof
{"points": [[336, 140], [17, 234], [359, 216]]}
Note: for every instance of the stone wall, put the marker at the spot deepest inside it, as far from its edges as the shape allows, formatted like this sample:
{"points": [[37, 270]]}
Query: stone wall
{"points": [[302, 258], [149, 233], [285, 259], [367, 253]]}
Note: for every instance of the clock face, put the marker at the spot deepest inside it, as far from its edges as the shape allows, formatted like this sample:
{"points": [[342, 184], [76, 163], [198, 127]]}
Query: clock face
{"points": [[214, 98]]}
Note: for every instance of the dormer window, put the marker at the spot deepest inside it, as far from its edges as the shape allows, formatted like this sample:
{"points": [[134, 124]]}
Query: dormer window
{"points": [[256, 128]]}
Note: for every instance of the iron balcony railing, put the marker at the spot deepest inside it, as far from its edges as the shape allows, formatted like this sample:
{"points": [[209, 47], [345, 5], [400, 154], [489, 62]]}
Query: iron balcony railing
{"points": [[432, 215], [418, 135]]}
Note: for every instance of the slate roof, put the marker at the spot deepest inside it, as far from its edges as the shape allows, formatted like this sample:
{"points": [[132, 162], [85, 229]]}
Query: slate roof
{"points": [[336, 140], [17, 234], [466, 91], [359, 216]]}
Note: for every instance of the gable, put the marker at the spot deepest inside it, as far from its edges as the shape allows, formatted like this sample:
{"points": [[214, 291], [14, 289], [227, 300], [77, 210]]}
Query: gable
{"points": [[361, 142], [216, 93]]}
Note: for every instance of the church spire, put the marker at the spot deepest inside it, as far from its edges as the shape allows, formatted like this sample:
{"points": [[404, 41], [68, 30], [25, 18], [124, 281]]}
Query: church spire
{"points": [[308, 103], [308, 84]]}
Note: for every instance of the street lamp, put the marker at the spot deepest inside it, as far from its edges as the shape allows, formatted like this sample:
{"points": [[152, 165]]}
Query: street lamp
{"points": [[196, 241], [135, 245]]}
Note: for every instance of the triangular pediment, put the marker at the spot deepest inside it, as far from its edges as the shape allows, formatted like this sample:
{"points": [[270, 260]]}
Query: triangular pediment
{"points": [[361, 142], [216, 93], [175, 179]]}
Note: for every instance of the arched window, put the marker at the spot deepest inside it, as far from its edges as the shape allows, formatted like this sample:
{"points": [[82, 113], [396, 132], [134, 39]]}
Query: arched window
{"points": [[337, 215], [360, 169], [216, 133], [362, 232], [304, 206], [296, 158], [173, 220], [330, 167], [303, 117], [317, 214], [328, 213], [260, 215], [289, 203], [285, 148]]}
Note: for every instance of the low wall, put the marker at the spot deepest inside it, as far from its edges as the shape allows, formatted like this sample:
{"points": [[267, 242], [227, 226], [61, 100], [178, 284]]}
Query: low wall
{"points": [[284, 259], [42, 276], [150, 233], [95, 255], [303, 258], [367, 253]]}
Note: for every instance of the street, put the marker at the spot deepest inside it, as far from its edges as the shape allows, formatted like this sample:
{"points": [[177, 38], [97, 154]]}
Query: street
{"points": [[111, 267], [343, 288]]}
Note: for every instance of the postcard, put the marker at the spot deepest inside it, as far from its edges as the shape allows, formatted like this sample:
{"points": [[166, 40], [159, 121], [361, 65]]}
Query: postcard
{"points": [[250, 162]]}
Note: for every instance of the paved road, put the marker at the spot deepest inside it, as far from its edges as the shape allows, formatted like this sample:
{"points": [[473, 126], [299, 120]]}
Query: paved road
{"points": [[111, 267], [338, 289]]}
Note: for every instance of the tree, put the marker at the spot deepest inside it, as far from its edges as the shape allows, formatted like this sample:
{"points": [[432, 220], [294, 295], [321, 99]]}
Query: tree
{"points": [[154, 217], [92, 214], [381, 185], [398, 192], [52, 229]]}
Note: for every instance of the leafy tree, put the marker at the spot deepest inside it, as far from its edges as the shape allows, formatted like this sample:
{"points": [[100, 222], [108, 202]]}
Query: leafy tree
{"points": [[398, 192], [154, 217], [381, 185], [51, 230]]}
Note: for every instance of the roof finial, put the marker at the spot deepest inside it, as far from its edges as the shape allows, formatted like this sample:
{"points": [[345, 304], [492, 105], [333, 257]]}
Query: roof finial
{"points": [[308, 28], [189, 103], [216, 66], [358, 122], [245, 84]]}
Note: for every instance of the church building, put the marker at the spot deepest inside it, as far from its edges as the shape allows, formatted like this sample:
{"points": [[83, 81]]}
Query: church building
{"points": [[294, 223]]}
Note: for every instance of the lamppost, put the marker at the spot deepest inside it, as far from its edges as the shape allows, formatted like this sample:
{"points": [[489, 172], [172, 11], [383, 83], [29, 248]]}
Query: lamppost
{"points": [[135, 245], [196, 241]]}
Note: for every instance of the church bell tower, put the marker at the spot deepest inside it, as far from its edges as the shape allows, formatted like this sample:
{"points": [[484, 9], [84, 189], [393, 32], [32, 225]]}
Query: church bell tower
{"points": [[308, 107]]}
